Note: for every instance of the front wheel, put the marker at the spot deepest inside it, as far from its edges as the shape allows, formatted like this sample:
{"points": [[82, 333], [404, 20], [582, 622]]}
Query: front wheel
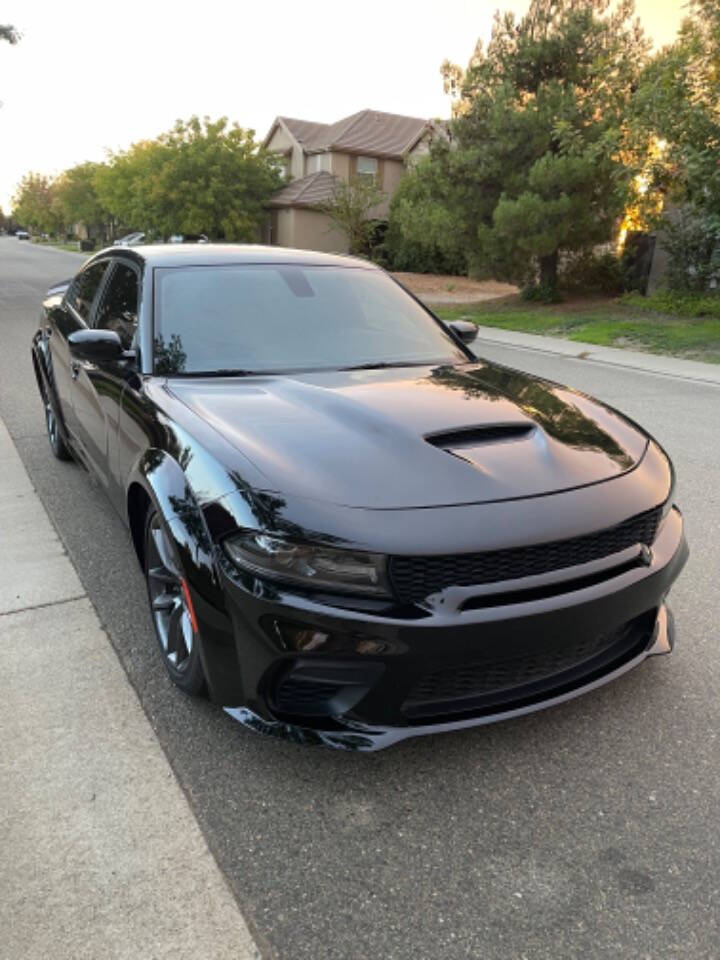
{"points": [[57, 444], [171, 608]]}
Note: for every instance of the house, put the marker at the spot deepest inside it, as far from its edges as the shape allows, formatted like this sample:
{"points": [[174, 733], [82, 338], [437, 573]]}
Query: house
{"points": [[313, 155]]}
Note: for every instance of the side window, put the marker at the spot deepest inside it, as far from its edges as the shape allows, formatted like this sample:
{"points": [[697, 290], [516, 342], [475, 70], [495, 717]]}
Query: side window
{"points": [[119, 305], [83, 290]]}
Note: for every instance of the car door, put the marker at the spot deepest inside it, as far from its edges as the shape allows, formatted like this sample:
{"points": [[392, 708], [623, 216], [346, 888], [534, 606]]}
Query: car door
{"points": [[72, 314], [98, 385]]}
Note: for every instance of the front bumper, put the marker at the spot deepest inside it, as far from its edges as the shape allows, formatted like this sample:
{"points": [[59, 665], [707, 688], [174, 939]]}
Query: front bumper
{"points": [[471, 656]]}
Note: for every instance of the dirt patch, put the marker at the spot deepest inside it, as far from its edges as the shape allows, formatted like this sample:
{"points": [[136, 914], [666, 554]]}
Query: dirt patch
{"points": [[439, 289]]}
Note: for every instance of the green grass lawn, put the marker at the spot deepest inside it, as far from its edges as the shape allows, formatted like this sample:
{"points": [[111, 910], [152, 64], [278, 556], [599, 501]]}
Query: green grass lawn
{"points": [[655, 324], [73, 246]]}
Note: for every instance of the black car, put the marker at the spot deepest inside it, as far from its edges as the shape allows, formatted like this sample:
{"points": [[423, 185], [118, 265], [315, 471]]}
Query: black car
{"points": [[353, 529]]}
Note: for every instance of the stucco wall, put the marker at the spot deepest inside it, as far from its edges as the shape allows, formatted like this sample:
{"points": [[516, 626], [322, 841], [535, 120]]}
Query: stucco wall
{"points": [[420, 150], [315, 231], [341, 165], [282, 141], [283, 235], [309, 230], [391, 173]]}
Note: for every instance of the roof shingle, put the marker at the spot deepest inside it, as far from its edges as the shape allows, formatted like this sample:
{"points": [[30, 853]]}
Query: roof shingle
{"points": [[307, 192], [368, 131]]}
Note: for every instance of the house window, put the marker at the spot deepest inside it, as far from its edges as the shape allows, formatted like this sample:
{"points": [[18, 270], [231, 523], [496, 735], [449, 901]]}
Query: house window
{"points": [[367, 167], [316, 162]]}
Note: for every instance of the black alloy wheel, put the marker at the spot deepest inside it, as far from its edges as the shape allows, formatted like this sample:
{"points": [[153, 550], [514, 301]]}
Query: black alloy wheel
{"points": [[170, 607], [57, 444]]}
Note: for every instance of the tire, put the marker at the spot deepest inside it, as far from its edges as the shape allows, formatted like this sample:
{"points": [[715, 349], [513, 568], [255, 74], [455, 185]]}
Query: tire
{"points": [[177, 638], [57, 444]]}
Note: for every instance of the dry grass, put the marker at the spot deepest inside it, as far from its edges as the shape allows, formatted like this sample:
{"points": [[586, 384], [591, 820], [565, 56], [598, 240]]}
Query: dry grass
{"points": [[444, 289]]}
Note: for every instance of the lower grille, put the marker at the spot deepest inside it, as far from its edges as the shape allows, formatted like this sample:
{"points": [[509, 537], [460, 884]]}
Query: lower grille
{"points": [[322, 688], [414, 578], [296, 695], [530, 674]]}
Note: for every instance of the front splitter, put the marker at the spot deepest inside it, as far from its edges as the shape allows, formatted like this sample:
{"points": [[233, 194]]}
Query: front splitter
{"points": [[366, 738]]}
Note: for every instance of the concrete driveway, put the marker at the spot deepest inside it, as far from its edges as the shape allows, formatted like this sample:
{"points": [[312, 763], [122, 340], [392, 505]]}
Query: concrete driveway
{"points": [[589, 830]]}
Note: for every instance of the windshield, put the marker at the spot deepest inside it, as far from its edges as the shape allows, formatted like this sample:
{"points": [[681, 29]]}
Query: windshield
{"points": [[268, 318]]}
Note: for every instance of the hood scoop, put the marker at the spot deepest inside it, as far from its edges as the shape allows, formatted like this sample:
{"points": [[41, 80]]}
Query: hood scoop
{"points": [[464, 437]]}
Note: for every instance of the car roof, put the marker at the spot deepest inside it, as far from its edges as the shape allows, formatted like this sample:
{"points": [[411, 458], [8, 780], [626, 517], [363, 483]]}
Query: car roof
{"points": [[214, 254]]}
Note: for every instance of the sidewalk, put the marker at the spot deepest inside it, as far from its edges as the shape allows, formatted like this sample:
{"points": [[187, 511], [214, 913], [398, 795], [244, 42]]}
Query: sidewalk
{"points": [[101, 854], [633, 359]]}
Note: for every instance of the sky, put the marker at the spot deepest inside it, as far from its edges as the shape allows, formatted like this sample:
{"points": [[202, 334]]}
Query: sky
{"points": [[89, 76]]}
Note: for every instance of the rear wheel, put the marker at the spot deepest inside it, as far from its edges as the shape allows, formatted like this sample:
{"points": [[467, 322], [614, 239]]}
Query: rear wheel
{"points": [[171, 608]]}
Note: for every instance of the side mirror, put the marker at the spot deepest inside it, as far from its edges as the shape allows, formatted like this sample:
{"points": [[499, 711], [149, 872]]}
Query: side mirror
{"points": [[464, 330], [96, 345]]}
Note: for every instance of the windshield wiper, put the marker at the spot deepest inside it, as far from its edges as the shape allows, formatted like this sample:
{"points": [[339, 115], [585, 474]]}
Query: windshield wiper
{"points": [[384, 364], [225, 372]]}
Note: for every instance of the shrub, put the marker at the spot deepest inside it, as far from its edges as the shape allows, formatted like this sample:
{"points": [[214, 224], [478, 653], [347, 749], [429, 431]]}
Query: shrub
{"points": [[690, 305], [397, 252], [692, 242], [588, 272], [539, 292]]}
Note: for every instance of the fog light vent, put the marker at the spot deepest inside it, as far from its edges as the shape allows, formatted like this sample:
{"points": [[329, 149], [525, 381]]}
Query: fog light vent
{"points": [[321, 689]]}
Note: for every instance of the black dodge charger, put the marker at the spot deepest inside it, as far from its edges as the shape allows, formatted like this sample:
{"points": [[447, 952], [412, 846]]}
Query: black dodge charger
{"points": [[353, 529]]}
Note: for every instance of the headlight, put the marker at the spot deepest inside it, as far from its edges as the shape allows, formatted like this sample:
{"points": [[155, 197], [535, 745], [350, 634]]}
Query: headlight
{"points": [[351, 571]]}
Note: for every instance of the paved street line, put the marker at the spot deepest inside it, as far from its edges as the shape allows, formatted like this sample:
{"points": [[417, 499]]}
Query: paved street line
{"points": [[101, 854]]}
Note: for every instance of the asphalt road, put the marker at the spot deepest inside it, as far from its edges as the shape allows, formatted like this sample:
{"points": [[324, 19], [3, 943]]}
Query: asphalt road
{"points": [[589, 830]]}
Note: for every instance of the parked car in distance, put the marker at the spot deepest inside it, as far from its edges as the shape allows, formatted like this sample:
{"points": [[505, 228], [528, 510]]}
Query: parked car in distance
{"points": [[22, 234], [188, 238], [353, 530], [130, 239]]}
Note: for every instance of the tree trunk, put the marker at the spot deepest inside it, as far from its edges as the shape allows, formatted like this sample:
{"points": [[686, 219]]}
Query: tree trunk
{"points": [[549, 273]]}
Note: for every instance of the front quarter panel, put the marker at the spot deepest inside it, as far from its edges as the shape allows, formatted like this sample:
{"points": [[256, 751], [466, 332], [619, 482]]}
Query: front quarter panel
{"points": [[183, 467], [165, 483], [51, 380]]}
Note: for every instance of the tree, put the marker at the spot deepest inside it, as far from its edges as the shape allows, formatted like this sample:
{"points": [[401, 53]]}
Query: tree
{"points": [[75, 196], [123, 183], [202, 176], [9, 33], [349, 209], [421, 202], [533, 168], [678, 100], [678, 105], [34, 203]]}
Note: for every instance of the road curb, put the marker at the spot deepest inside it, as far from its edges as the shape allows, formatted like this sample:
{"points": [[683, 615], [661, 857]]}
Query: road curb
{"points": [[102, 855]]}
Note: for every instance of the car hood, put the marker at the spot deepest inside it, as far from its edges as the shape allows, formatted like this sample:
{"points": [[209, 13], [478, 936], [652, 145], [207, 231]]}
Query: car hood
{"points": [[416, 436]]}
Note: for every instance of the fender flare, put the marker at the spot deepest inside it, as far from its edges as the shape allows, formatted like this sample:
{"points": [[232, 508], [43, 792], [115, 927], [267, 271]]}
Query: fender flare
{"points": [[164, 483], [165, 487], [42, 366]]}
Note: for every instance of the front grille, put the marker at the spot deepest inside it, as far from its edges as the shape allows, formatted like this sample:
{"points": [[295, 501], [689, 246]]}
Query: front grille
{"points": [[415, 578], [527, 674]]}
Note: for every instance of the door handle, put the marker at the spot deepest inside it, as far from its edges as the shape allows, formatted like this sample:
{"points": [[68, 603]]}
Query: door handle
{"points": [[74, 369]]}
